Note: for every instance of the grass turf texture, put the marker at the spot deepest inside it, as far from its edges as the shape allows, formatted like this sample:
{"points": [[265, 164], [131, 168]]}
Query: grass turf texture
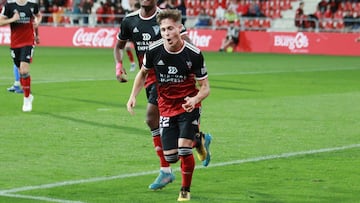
{"points": [[260, 105]]}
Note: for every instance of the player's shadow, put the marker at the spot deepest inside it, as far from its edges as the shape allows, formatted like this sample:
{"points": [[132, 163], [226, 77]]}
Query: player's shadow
{"points": [[235, 85], [112, 104], [124, 128]]}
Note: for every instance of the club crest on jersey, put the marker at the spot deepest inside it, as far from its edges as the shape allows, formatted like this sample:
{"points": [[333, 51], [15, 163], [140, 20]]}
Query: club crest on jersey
{"points": [[156, 29], [189, 64]]}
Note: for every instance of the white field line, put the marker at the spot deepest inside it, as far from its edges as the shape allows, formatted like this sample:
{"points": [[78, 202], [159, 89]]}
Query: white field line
{"points": [[9, 192], [39, 198], [223, 73]]}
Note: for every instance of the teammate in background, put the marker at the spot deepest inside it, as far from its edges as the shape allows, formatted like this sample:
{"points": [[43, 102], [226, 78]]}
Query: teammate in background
{"points": [[231, 40], [16, 88], [178, 66], [141, 28], [129, 45], [23, 16]]}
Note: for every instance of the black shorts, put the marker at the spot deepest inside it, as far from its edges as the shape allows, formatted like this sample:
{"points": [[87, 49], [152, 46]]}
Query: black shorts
{"points": [[151, 94], [22, 54], [184, 125], [234, 39]]}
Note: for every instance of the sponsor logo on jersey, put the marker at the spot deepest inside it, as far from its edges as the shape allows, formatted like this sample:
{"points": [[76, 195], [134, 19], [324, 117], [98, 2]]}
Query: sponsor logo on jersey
{"points": [[172, 70], [146, 36]]}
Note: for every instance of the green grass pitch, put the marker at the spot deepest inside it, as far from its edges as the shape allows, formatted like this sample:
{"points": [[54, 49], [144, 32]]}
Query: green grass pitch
{"points": [[286, 128]]}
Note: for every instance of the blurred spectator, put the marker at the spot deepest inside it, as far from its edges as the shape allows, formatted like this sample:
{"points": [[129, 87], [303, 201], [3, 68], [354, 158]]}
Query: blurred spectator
{"points": [[171, 4], [348, 20], [254, 10], [76, 13], [319, 15], [86, 10], [356, 24], [220, 13], [243, 8], [203, 19], [57, 13], [99, 13], [233, 5], [119, 13], [300, 16], [322, 6], [328, 13], [333, 6], [44, 6], [182, 8], [230, 15]]}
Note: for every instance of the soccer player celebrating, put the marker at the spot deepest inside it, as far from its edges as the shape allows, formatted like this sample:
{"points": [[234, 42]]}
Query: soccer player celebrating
{"points": [[23, 16], [140, 27], [179, 66]]}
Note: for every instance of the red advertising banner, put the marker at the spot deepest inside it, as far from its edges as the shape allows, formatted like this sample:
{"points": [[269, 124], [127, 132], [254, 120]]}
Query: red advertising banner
{"points": [[300, 42], [208, 40]]}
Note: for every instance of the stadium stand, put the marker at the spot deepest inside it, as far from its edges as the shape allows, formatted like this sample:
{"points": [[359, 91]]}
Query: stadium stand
{"points": [[256, 15]]}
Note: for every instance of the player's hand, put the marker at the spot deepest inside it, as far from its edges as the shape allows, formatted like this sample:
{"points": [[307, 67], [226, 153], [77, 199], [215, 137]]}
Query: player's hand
{"points": [[131, 105], [16, 16], [37, 39], [120, 73], [189, 104]]}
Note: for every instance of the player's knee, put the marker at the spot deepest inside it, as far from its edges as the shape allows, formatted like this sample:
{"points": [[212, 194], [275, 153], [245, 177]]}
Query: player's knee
{"points": [[172, 158], [152, 122], [184, 151], [24, 75]]}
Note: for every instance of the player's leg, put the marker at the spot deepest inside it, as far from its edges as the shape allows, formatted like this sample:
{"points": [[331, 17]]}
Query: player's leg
{"points": [[188, 125], [202, 144], [152, 120], [131, 56], [25, 79], [16, 86]]}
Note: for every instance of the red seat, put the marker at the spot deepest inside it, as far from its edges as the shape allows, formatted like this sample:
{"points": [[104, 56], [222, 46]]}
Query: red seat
{"points": [[266, 24]]}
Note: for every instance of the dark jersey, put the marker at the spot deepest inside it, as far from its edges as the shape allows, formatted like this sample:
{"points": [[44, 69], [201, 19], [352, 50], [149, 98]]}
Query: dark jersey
{"points": [[176, 74], [142, 32], [22, 30]]}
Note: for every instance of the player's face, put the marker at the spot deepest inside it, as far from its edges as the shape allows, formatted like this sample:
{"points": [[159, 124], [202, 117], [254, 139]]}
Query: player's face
{"points": [[148, 3], [170, 32]]}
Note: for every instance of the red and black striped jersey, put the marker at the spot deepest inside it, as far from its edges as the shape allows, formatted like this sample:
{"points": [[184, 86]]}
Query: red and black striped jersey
{"points": [[22, 30], [176, 74], [142, 32]]}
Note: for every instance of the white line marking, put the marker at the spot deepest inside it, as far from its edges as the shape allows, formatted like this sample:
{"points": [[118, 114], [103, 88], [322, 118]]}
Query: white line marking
{"points": [[242, 161], [39, 198]]}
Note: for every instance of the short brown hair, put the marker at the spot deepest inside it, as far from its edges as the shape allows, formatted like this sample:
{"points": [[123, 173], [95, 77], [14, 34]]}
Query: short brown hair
{"points": [[173, 14]]}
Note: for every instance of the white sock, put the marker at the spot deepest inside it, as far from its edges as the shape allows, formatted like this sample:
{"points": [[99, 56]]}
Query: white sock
{"points": [[166, 169]]}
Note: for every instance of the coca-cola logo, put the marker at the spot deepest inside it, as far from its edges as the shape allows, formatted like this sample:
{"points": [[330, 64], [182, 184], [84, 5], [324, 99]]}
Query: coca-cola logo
{"points": [[292, 42], [99, 38]]}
